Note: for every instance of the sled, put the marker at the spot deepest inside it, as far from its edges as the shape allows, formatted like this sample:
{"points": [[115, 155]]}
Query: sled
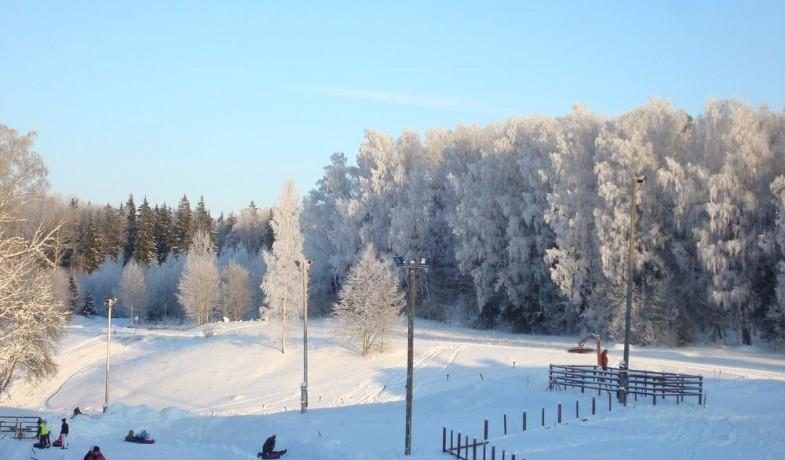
{"points": [[58, 442], [143, 441], [580, 350]]}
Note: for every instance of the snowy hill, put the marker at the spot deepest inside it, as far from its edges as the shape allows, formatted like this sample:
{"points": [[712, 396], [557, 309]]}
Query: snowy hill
{"points": [[218, 397]]}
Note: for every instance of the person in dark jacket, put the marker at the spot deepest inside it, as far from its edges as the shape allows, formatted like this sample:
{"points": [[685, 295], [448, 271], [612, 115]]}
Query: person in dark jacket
{"points": [[268, 449], [76, 412], [64, 435]]}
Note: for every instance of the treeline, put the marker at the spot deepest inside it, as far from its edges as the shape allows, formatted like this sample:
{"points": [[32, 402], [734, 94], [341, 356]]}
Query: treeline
{"points": [[98, 243], [527, 222]]}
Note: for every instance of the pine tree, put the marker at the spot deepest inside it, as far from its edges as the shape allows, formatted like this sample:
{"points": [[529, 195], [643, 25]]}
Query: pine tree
{"points": [[130, 229], [73, 289], [88, 308], [183, 227], [92, 244], [203, 222], [163, 232], [144, 246], [112, 230]]}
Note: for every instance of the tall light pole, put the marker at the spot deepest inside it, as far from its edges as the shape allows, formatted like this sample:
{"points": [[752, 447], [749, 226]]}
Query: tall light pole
{"points": [[412, 266], [109, 302], [623, 376], [304, 266]]}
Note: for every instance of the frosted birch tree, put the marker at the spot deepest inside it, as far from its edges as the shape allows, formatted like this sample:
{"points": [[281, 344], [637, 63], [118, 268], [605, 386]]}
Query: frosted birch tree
{"points": [[31, 317], [236, 297], [132, 293], [573, 258], [370, 302], [282, 283], [198, 289]]}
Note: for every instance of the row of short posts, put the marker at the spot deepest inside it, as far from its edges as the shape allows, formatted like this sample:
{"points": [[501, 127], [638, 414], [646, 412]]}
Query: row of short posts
{"points": [[463, 443]]}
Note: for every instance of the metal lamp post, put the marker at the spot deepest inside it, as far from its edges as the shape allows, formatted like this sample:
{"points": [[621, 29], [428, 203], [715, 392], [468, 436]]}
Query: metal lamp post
{"points": [[623, 376], [412, 266], [304, 266], [109, 302]]}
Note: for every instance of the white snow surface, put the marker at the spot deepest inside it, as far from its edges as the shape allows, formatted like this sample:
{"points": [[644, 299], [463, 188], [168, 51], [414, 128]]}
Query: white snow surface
{"points": [[219, 397]]}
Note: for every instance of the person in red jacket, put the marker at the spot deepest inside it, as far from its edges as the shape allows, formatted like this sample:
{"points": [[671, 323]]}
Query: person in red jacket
{"points": [[604, 359]]}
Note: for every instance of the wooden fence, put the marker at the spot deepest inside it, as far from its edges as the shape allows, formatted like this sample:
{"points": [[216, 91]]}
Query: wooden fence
{"points": [[19, 427], [640, 383]]}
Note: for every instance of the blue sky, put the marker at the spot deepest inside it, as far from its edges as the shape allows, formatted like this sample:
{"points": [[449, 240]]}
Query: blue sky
{"points": [[230, 99]]}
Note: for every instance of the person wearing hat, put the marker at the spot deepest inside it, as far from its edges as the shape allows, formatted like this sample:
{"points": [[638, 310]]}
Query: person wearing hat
{"points": [[268, 449], [64, 435]]}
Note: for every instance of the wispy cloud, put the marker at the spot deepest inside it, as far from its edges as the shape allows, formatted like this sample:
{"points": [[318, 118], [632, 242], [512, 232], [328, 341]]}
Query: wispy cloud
{"points": [[395, 98]]}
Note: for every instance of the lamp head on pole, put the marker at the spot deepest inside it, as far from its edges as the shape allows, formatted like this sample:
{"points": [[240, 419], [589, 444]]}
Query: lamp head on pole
{"points": [[640, 179]]}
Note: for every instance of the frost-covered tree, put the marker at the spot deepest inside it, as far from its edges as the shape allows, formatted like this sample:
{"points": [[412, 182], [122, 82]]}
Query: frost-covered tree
{"points": [[776, 313], [370, 301], [198, 289], [330, 219], [573, 258], [103, 282], [161, 280], [282, 282], [235, 292], [31, 318], [736, 151], [132, 293]]}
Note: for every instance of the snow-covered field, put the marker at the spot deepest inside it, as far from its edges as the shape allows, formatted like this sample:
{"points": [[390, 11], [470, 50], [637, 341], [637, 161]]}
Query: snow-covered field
{"points": [[219, 397]]}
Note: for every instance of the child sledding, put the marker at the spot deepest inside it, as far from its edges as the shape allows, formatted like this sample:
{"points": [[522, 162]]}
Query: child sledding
{"points": [[142, 438], [268, 449]]}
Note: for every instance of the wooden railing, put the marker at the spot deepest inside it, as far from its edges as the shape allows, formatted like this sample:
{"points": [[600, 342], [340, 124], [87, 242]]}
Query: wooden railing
{"points": [[19, 427], [640, 383]]}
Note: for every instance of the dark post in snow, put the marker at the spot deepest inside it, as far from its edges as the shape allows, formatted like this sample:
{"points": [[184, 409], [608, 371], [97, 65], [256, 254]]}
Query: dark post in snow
{"points": [[412, 266], [109, 302], [304, 387], [623, 376]]}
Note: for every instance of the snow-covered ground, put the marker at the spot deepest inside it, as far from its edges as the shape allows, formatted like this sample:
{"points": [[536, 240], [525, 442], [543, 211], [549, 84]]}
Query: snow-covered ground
{"points": [[219, 397]]}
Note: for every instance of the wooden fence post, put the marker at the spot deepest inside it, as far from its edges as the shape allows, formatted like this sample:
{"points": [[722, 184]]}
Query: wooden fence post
{"points": [[543, 416], [458, 451], [485, 430], [493, 452], [474, 449], [524, 421], [609, 402], [444, 439], [577, 410], [558, 413], [593, 406]]}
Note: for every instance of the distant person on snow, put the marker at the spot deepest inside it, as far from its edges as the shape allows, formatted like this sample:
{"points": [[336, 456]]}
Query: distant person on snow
{"points": [[604, 359], [268, 449], [142, 438], [76, 412], [43, 434], [63, 435], [97, 455]]}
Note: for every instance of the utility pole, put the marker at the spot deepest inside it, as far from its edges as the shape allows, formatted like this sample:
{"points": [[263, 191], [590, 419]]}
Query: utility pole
{"points": [[623, 375], [109, 302], [412, 266], [304, 266]]}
